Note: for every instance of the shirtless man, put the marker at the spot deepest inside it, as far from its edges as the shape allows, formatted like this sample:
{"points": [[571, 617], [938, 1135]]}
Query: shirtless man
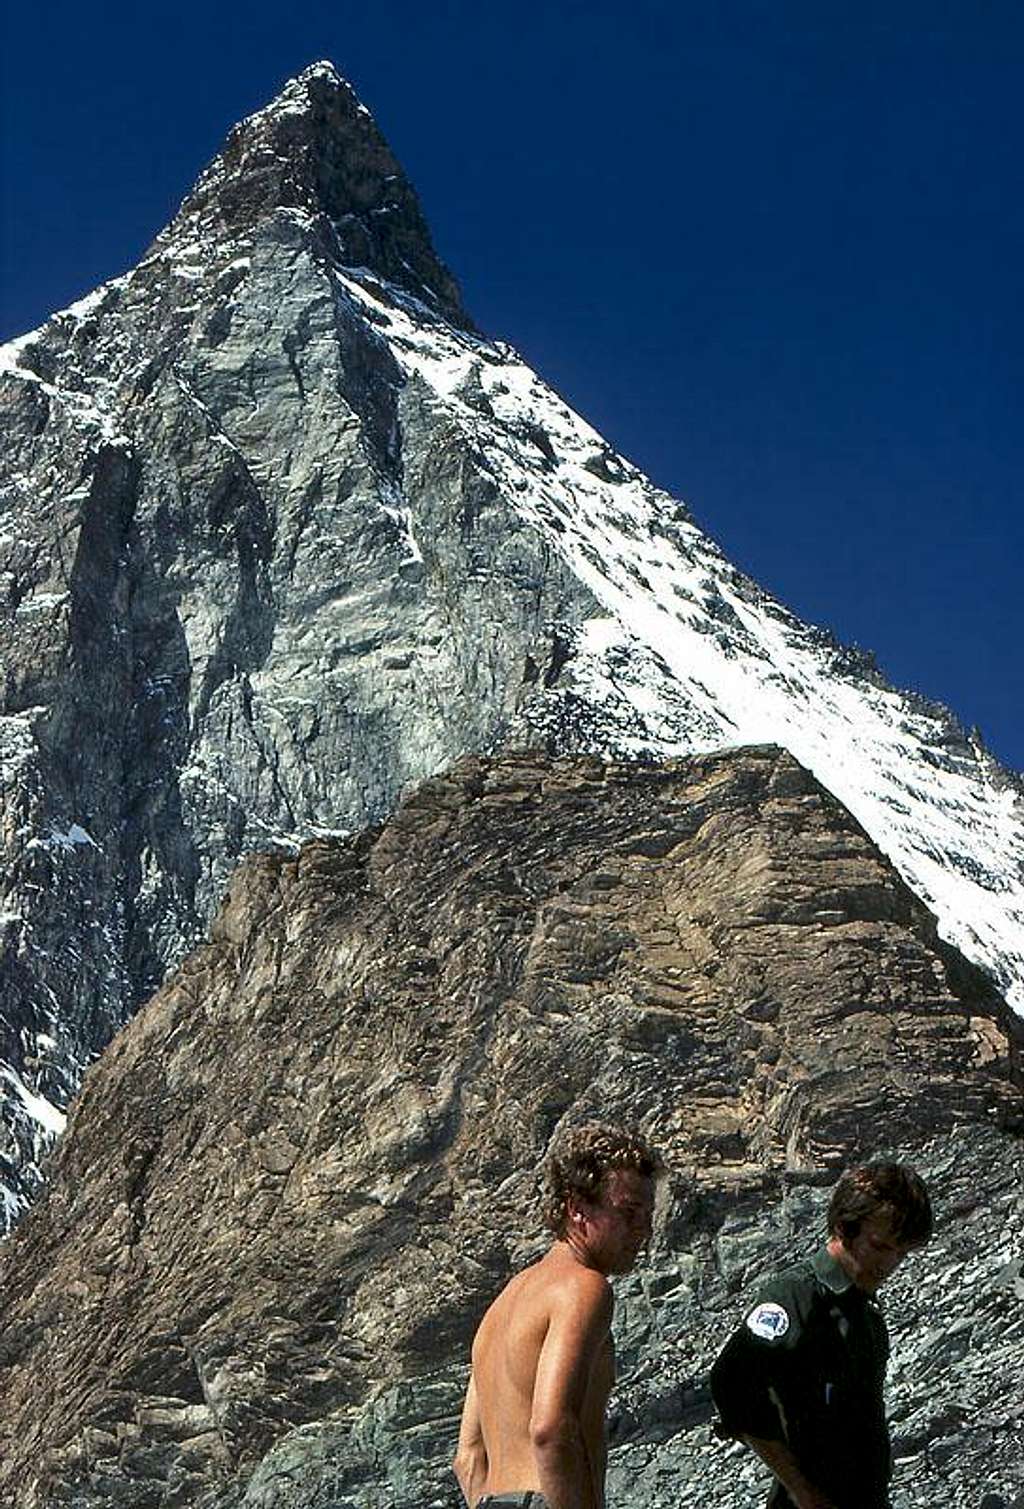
{"points": [[533, 1424]]}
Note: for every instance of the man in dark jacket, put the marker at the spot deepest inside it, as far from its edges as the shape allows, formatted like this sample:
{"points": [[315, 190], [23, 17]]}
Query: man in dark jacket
{"points": [[801, 1380]]}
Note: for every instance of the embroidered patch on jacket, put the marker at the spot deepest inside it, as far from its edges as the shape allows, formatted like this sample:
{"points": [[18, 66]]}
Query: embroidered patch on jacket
{"points": [[768, 1321]]}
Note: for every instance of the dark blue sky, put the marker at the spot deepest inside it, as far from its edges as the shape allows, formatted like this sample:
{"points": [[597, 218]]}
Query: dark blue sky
{"points": [[772, 250]]}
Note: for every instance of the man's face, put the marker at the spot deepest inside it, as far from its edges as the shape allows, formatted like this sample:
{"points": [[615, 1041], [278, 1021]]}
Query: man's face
{"points": [[873, 1254], [617, 1225]]}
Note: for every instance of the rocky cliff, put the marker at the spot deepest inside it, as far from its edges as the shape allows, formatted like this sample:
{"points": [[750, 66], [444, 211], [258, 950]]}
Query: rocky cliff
{"points": [[293, 1182], [280, 532]]}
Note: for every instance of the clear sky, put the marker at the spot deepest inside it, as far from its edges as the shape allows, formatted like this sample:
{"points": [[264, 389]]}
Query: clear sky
{"points": [[773, 251]]}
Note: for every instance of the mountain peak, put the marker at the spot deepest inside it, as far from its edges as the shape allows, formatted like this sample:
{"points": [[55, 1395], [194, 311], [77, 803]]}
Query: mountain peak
{"points": [[315, 148]]}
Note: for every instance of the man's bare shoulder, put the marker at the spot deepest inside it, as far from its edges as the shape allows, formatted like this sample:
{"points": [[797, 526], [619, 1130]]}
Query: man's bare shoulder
{"points": [[572, 1280], [555, 1283], [560, 1285]]}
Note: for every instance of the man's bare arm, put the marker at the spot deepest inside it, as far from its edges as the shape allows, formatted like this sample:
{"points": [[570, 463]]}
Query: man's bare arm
{"points": [[577, 1331], [777, 1456], [470, 1463], [595, 1426]]}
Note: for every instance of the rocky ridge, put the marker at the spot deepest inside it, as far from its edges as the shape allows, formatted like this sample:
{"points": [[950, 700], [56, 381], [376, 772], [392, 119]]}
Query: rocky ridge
{"points": [[280, 533], [293, 1182]]}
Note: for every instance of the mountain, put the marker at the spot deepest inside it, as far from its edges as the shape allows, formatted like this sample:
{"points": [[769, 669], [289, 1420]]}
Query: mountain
{"points": [[292, 1184], [282, 532]]}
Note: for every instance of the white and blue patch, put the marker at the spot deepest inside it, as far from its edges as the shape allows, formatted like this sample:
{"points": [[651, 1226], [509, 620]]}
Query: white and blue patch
{"points": [[769, 1321]]}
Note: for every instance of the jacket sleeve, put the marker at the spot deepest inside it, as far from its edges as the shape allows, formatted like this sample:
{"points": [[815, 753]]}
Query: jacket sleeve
{"points": [[749, 1380]]}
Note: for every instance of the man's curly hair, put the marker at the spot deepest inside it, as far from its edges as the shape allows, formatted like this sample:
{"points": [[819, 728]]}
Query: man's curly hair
{"points": [[581, 1159]]}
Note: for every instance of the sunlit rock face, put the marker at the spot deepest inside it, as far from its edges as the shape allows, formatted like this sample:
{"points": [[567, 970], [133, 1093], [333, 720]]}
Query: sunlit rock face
{"points": [[281, 532], [292, 1184]]}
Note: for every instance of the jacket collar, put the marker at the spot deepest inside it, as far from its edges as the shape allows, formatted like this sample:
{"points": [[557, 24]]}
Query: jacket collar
{"points": [[831, 1273]]}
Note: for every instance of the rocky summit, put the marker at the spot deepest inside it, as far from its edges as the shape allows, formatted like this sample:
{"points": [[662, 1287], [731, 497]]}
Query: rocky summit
{"points": [[294, 1181], [281, 532]]}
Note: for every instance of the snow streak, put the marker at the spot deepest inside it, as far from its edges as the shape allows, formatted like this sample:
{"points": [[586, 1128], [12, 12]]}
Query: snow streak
{"points": [[693, 656]]}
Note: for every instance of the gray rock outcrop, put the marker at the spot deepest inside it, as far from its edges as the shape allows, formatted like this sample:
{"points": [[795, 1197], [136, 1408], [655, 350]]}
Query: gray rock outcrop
{"points": [[280, 533], [292, 1184]]}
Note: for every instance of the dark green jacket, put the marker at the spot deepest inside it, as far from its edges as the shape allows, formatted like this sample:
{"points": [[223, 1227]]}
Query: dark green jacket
{"points": [[807, 1367]]}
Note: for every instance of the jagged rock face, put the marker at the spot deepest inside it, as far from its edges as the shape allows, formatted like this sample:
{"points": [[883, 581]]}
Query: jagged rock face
{"points": [[317, 152], [282, 533], [294, 1181]]}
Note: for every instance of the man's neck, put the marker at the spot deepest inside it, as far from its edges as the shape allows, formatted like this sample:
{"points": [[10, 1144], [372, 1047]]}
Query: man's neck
{"points": [[578, 1251]]}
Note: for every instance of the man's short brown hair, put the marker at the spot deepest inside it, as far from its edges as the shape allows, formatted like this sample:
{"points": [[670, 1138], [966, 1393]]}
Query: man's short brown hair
{"points": [[579, 1162], [876, 1188]]}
